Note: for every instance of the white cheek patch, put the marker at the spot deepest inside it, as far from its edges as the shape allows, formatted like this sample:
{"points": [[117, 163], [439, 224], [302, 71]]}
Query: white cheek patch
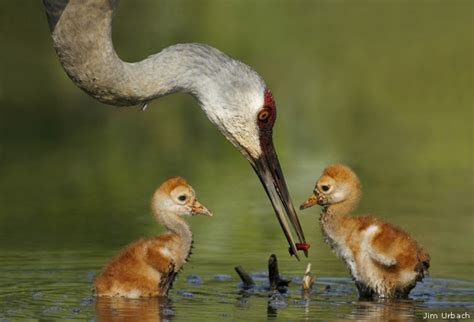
{"points": [[164, 202], [168, 205], [234, 112], [340, 194], [176, 209], [243, 132]]}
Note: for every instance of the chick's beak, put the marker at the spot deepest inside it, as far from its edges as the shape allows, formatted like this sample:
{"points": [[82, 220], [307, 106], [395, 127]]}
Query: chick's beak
{"points": [[311, 201], [199, 209]]}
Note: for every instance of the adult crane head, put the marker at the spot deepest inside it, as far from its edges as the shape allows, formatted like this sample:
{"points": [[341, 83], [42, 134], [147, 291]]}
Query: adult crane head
{"points": [[237, 101], [233, 96]]}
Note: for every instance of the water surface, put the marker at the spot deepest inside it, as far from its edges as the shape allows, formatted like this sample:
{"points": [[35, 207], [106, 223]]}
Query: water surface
{"points": [[57, 286]]}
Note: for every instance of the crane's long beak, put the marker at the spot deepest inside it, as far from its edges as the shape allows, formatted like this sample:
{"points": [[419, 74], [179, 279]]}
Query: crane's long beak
{"points": [[269, 171]]}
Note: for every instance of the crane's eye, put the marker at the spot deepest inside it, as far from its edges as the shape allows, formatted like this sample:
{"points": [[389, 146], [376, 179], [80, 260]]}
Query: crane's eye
{"points": [[325, 188], [263, 115], [182, 198]]}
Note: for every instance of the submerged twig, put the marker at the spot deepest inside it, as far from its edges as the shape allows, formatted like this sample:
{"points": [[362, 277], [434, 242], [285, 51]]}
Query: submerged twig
{"points": [[274, 278], [245, 277], [276, 282]]}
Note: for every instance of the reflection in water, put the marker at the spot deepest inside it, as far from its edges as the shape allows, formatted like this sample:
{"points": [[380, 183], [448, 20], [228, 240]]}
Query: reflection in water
{"points": [[121, 309], [378, 310], [338, 301], [383, 310], [276, 300]]}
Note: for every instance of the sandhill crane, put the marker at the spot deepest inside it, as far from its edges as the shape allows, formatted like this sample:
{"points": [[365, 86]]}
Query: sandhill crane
{"points": [[233, 96], [383, 260], [148, 266]]}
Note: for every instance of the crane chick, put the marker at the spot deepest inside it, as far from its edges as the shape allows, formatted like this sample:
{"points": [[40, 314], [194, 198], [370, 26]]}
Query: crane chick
{"points": [[148, 267], [384, 261]]}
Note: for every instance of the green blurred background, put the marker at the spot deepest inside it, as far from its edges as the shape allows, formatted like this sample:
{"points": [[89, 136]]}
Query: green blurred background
{"points": [[383, 86]]}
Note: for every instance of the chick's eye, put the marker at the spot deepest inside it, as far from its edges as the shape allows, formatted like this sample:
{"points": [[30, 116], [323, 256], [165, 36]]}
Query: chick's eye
{"points": [[263, 115], [182, 198], [325, 187]]}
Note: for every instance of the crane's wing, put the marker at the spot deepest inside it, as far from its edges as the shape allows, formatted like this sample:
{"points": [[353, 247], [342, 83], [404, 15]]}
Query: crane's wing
{"points": [[378, 245]]}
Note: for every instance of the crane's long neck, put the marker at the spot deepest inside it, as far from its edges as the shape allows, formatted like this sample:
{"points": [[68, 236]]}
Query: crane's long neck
{"points": [[176, 225], [335, 215], [82, 35], [339, 209]]}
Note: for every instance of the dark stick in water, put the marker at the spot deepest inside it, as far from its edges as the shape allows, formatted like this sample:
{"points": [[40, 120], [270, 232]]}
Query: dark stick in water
{"points": [[276, 282], [246, 278], [274, 279]]}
